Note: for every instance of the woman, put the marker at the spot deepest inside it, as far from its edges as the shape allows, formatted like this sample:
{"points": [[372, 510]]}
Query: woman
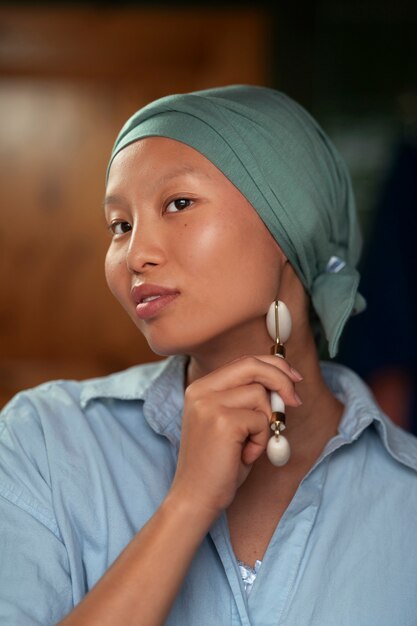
{"points": [[146, 497]]}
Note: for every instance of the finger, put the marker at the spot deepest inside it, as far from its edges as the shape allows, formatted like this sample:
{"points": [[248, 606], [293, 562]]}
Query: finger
{"points": [[268, 371], [281, 364], [253, 396], [255, 444], [251, 452], [239, 425]]}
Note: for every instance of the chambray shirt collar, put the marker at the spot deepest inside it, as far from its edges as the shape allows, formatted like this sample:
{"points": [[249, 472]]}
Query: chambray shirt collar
{"points": [[130, 384], [164, 400], [159, 385], [361, 411], [161, 388]]}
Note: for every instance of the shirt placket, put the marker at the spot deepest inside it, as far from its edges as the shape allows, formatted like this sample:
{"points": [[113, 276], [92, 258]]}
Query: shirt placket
{"points": [[220, 536], [274, 587]]}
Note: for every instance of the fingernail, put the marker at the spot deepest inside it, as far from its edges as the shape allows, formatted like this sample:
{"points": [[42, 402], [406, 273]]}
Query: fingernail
{"points": [[296, 374], [298, 399]]}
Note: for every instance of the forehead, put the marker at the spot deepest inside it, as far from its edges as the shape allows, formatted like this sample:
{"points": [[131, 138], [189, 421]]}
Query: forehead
{"points": [[166, 157]]}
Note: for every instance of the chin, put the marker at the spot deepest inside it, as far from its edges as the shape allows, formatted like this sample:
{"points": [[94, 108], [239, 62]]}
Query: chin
{"points": [[163, 345], [164, 351]]}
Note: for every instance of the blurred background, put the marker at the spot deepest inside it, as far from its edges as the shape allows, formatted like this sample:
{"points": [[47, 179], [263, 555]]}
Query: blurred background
{"points": [[71, 74]]}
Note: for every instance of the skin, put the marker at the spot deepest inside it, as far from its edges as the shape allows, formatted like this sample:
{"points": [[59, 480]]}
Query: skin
{"points": [[177, 221]]}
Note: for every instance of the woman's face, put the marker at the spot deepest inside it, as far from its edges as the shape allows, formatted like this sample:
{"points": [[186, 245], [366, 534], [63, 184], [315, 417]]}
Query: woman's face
{"points": [[179, 224]]}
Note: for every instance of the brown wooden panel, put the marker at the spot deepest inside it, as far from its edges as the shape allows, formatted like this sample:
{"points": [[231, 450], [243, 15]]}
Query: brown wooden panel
{"points": [[162, 47], [68, 80]]}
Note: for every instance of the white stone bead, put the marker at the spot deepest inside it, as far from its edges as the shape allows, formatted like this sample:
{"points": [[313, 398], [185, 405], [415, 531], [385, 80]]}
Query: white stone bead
{"points": [[284, 321], [277, 403], [278, 450]]}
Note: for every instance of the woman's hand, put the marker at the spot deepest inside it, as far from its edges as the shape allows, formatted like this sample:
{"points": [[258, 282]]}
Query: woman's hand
{"points": [[225, 428]]}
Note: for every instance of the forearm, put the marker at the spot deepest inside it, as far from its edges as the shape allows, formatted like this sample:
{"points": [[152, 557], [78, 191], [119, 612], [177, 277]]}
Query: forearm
{"points": [[142, 584]]}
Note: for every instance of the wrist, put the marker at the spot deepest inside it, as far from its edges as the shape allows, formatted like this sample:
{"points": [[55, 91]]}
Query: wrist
{"points": [[190, 511]]}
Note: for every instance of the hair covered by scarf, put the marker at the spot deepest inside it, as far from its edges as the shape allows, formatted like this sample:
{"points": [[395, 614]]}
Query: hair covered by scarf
{"points": [[280, 159]]}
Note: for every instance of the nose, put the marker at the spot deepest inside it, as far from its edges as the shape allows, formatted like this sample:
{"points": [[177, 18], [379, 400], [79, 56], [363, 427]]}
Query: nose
{"points": [[145, 248]]}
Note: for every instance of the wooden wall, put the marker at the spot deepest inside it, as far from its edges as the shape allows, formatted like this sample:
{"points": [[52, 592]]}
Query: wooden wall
{"points": [[69, 78]]}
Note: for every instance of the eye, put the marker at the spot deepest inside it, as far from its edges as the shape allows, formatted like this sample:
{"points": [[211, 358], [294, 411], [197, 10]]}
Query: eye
{"points": [[178, 205], [119, 227]]}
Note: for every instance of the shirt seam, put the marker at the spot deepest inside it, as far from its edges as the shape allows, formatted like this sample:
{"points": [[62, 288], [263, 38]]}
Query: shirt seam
{"points": [[11, 496]]}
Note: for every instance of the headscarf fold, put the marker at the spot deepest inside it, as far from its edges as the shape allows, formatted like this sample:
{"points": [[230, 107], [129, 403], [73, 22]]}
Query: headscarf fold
{"points": [[280, 159]]}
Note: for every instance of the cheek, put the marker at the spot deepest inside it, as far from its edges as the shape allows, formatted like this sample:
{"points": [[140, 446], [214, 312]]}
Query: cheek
{"points": [[232, 258], [113, 270], [211, 252], [244, 248]]}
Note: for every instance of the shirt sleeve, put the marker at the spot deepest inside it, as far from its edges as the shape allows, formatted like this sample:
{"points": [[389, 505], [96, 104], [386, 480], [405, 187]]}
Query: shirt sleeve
{"points": [[35, 583]]}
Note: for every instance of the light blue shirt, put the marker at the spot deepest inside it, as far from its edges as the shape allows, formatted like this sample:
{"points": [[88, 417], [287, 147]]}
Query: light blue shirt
{"points": [[84, 465]]}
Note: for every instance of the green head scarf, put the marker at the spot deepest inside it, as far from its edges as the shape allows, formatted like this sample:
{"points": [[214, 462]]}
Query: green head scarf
{"points": [[280, 159]]}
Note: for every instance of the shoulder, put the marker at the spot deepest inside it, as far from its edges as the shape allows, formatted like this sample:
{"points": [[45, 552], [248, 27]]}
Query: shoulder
{"points": [[55, 420], [362, 416], [129, 384]]}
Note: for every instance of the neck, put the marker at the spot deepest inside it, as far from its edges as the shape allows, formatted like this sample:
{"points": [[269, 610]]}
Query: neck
{"points": [[316, 421]]}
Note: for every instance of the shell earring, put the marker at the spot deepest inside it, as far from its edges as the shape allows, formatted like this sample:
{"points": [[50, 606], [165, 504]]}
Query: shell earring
{"points": [[278, 323]]}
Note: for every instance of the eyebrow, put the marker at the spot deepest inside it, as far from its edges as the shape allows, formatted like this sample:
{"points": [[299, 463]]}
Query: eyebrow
{"points": [[112, 199], [175, 173], [180, 171]]}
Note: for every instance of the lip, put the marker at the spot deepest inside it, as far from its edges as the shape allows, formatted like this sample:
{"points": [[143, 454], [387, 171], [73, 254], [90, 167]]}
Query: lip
{"points": [[146, 310]]}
